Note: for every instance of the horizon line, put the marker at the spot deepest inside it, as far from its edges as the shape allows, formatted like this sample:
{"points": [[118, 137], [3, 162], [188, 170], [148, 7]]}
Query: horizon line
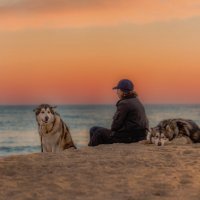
{"points": [[96, 104]]}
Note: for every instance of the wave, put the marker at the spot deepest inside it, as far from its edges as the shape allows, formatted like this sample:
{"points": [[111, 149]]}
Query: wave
{"points": [[19, 149]]}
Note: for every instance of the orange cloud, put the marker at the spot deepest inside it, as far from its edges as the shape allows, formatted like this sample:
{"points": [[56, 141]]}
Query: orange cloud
{"points": [[66, 13]]}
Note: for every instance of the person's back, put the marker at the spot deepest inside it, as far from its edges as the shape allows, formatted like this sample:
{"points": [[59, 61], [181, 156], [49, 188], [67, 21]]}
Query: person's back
{"points": [[129, 122], [130, 115]]}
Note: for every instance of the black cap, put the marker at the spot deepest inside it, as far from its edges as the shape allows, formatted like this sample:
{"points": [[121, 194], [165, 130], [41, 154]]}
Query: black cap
{"points": [[124, 85]]}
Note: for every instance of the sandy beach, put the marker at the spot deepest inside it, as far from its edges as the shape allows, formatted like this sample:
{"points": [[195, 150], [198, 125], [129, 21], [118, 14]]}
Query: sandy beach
{"points": [[117, 171]]}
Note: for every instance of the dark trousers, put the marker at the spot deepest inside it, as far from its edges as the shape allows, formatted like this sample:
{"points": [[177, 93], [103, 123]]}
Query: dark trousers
{"points": [[100, 135]]}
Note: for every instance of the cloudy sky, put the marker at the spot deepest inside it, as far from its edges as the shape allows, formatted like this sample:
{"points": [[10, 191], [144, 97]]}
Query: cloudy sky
{"points": [[62, 51]]}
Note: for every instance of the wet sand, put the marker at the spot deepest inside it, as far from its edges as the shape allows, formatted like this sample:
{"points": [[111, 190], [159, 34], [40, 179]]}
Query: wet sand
{"points": [[117, 171]]}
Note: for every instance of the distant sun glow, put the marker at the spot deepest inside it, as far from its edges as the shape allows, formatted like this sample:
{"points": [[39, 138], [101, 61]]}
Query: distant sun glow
{"points": [[74, 52]]}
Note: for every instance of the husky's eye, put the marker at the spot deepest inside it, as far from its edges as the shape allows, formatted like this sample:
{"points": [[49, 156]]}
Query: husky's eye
{"points": [[48, 112], [42, 112]]}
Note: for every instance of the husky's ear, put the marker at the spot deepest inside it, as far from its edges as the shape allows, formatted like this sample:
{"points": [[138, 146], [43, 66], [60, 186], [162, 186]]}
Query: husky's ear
{"points": [[152, 131], [52, 109], [36, 110]]}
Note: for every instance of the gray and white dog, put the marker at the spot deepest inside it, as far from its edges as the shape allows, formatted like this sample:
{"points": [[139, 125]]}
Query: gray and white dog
{"points": [[54, 133], [169, 129]]}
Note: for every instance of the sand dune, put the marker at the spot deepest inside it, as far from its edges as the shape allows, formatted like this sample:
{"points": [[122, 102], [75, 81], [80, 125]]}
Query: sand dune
{"points": [[118, 171]]}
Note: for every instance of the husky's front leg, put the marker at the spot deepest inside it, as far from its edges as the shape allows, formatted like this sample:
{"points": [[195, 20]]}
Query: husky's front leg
{"points": [[55, 149]]}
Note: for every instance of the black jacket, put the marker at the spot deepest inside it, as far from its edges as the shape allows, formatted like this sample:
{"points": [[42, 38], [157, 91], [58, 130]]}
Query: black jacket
{"points": [[130, 116]]}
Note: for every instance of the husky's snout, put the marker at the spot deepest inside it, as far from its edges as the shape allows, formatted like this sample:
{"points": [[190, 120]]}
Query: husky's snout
{"points": [[46, 118], [159, 143]]}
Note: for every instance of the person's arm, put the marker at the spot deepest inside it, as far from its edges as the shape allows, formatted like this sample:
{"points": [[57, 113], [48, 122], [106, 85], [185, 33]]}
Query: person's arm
{"points": [[119, 117]]}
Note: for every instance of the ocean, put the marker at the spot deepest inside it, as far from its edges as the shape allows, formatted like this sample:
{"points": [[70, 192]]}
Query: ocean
{"points": [[18, 127]]}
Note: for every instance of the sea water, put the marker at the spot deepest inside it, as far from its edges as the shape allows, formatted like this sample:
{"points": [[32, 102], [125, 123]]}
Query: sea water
{"points": [[18, 127]]}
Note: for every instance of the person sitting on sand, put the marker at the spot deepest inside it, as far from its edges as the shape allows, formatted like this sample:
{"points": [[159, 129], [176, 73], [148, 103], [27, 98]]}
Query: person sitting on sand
{"points": [[130, 122]]}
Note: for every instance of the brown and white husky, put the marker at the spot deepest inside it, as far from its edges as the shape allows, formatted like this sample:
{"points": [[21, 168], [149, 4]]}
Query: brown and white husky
{"points": [[54, 133]]}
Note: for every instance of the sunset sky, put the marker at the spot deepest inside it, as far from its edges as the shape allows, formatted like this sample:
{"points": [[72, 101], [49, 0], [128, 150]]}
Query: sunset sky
{"points": [[75, 51]]}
